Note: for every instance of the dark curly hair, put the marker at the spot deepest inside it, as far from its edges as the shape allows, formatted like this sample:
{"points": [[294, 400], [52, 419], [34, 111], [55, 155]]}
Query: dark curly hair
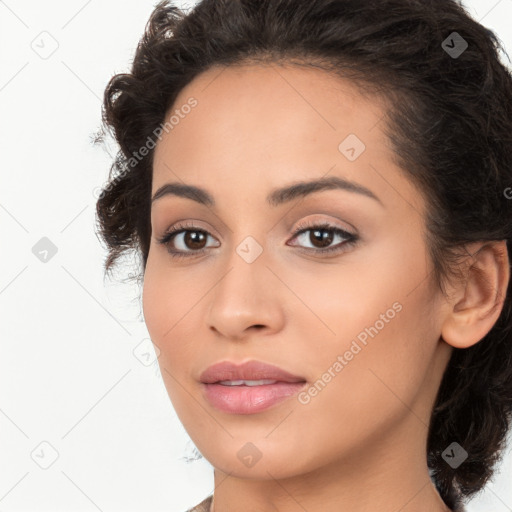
{"points": [[449, 121]]}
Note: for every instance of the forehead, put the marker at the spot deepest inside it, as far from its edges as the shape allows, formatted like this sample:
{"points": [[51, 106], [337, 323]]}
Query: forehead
{"points": [[262, 94], [266, 104], [254, 128]]}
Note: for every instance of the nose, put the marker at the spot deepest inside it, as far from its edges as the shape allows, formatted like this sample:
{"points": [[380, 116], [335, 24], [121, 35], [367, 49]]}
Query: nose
{"points": [[246, 299]]}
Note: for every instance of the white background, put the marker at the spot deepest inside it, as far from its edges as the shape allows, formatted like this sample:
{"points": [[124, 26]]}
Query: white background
{"points": [[69, 375]]}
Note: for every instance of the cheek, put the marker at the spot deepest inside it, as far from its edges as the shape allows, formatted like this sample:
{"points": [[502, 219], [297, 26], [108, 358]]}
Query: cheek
{"points": [[376, 384], [154, 299], [165, 302], [171, 302], [162, 303], [378, 318]]}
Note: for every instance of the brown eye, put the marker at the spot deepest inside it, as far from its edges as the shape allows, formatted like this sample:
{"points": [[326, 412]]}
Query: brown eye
{"points": [[322, 236], [181, 241], [189, 241], [194, 239]]}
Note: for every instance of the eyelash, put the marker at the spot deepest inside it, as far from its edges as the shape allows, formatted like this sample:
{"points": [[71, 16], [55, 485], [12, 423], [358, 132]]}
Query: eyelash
{"points": [[350, 238]]}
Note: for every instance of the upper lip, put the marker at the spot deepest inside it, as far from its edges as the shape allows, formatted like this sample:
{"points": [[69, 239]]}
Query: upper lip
{"points": [[251, 370]]}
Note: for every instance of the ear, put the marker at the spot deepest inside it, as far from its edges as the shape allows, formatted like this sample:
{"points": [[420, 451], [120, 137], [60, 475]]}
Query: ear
{"points": [[476, 302]]}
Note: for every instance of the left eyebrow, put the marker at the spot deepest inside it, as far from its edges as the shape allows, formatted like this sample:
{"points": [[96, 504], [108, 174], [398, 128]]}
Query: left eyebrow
{"points": [[304, 188], [277, 197]]}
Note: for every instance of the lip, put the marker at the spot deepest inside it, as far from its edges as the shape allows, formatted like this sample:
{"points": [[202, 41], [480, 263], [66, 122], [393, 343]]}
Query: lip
{"points": [[248, 399], [251, 370]]}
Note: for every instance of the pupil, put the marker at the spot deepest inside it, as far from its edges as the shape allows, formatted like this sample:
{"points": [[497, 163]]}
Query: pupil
{"points": [[194, 237], [323, 235]]}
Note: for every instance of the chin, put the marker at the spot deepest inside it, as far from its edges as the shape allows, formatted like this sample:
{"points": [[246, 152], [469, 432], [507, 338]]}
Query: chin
{"points": [[261, 459]]}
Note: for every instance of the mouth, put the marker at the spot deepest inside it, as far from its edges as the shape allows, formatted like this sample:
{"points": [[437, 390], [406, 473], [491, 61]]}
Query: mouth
{"points": [[261, 382], [248, 388], [250, 373]]}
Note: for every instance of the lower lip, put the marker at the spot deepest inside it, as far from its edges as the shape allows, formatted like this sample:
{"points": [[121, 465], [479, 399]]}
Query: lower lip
{"points": [[249, 399]]}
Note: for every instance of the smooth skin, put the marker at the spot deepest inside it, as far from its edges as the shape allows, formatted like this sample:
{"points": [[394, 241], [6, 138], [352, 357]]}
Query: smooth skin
{"points": [[360, 443]]}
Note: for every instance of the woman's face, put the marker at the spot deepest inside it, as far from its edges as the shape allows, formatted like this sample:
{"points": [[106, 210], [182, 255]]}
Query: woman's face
{"points": [[357, 323]]}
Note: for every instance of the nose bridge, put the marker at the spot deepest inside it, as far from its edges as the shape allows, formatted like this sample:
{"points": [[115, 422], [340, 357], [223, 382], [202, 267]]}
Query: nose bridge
{"points": [[243, 284], [243, 296]]}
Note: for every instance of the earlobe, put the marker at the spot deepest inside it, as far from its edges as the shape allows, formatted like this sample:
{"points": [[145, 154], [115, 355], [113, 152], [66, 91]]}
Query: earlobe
{"points": [[478, 300]]}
